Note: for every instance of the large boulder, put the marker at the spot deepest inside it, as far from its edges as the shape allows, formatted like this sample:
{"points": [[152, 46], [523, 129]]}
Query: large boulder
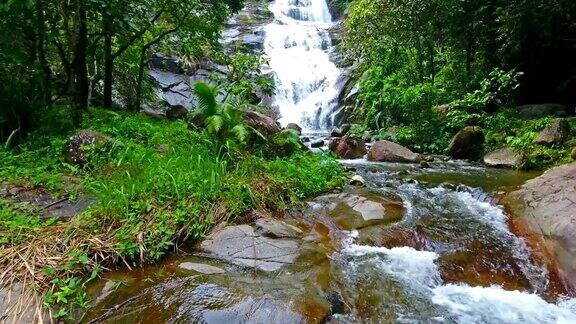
{"points": [[557, 132], [262, 123], [83, 144], [348, 147], [467, 143], [548, 204], [542, 110], [386, 151], [504, 158]]}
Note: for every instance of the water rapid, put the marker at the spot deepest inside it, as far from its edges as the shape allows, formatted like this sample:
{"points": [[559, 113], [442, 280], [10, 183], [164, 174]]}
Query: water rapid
{"points": [[298, 44]]}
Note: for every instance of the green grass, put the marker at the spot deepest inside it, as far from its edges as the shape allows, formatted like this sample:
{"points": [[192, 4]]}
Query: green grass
{"points": [[147, 200]]}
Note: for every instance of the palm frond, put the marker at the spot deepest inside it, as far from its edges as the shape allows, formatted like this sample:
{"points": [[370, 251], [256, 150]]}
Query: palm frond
{"points": [[206, 95], [240, 132], [214, 124]]}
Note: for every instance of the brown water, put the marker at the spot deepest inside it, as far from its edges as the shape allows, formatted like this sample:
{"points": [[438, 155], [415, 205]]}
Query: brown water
{"points": [[441, 252]]}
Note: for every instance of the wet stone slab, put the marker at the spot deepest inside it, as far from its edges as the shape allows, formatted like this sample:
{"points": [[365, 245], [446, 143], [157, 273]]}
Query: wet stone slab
{"points": [[241, 245]]}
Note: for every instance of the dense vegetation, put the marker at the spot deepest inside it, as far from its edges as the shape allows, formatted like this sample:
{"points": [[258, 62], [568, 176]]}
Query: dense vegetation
{"points": [[477, 60]]}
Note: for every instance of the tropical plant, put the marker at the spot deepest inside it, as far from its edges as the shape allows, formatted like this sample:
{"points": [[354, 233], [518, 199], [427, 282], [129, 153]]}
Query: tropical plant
{"points": [[220, 118]]}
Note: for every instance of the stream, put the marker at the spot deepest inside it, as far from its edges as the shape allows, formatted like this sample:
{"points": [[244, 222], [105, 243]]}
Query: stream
{"points": [[414, 245]]}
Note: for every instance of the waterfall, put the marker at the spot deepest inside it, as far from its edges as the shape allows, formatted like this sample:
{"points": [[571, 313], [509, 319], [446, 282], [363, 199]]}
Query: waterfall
{"points": [[297, 45]]}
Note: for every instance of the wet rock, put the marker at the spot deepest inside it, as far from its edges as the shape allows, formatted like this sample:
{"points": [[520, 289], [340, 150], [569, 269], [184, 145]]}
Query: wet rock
{"points": [[357, 180], [424, 164], [201, 268], [317, 143], [276, 229], [262, 123], [177, 112], [542, 110], [82, 145], [467, 143], [305, 139], [505, 157], [348, 147], [242, 246], [548, 204], [386, 151], [295, 127], [341, 131], [557, 132]]}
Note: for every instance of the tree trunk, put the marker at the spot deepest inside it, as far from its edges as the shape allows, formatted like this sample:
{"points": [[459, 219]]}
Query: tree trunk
{"points": [[81, 86], [108, 61], [47, 76]]}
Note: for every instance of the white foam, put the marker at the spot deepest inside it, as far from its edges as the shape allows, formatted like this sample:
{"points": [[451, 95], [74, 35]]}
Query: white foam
{"points": [[496, 305]]}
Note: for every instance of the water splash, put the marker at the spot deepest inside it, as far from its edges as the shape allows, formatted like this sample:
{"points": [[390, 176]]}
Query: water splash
{"points": [[297, 44]]}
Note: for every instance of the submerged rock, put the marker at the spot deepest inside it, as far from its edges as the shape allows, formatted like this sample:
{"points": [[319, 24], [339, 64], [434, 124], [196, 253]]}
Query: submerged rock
{"points": [[201, 268], [557, 132], [241, 245], [348, 147], [386, 151], [504, 157], [467, 143], [82, 145]]}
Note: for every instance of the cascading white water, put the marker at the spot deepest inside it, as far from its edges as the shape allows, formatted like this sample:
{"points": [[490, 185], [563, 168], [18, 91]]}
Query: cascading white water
{"points": [[297, 44]]}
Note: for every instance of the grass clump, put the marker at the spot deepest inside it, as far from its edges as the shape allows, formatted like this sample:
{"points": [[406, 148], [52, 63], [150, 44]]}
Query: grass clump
{"points": [[159, 185]]}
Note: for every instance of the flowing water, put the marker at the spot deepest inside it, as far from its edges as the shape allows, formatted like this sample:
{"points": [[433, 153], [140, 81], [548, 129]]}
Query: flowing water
{"points": [[298, 45]]}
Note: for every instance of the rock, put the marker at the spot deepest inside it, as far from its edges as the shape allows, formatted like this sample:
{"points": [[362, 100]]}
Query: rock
{"points": [[83, 144], [305, 139], [177, 112], [424, 164], [348, 147], [357, 180], [262, 123], [542, 110], [504, 157], [573, 154], [467, 143], [386, 151], [341, 131], [276, 229], [201, 267], [370, 210], [317, 143], [242, 246], [557, 132], [548, 204], [295, 128]]}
